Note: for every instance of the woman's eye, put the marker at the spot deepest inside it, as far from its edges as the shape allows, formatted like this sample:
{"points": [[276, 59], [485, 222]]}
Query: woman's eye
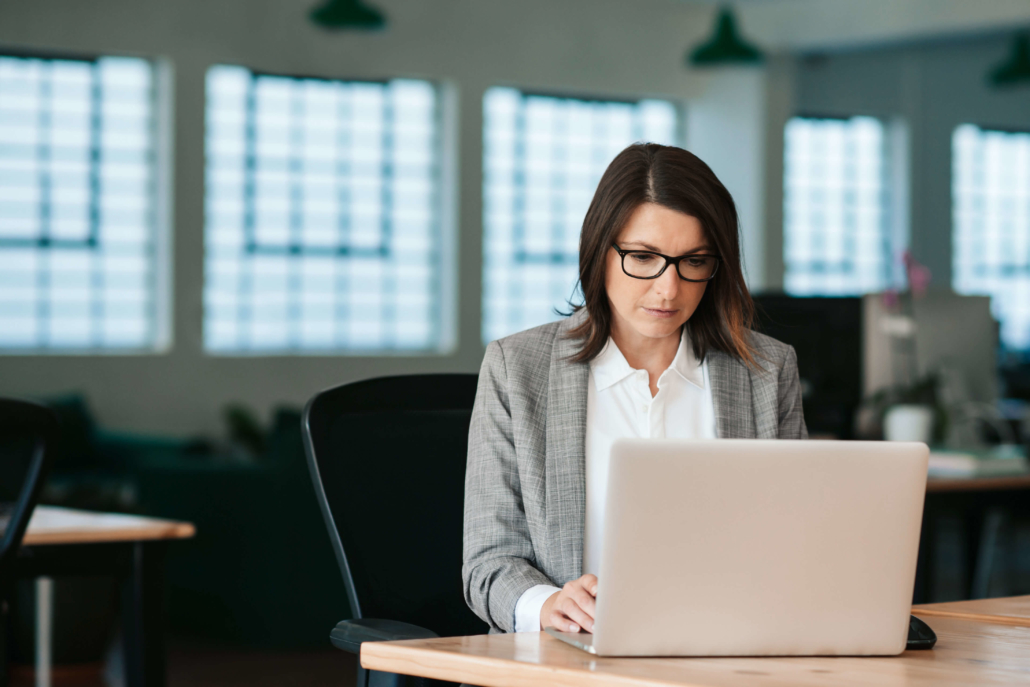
{"points": [[642, 258], [696, 262]]}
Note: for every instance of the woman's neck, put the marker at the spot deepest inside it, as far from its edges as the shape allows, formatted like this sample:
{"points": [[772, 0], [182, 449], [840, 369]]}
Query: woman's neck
{"points": [[646, 353]]}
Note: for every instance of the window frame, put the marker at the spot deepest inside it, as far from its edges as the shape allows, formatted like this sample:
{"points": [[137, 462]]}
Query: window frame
{"points": [[521, 255], [161, 135], [895, 206], [442, 227], [955, 210]]}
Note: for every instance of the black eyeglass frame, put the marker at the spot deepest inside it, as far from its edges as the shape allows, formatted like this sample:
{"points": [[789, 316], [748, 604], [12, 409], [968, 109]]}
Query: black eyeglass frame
{"points": [[669, 260]]}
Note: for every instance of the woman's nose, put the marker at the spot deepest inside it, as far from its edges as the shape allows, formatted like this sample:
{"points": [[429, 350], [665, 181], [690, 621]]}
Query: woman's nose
{"points": [[668, 285]]}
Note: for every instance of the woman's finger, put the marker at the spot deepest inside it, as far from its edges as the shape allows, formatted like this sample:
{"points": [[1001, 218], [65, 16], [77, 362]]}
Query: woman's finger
{"points": [[576, 614], [583, 598], [558, 619], [561, 622]]}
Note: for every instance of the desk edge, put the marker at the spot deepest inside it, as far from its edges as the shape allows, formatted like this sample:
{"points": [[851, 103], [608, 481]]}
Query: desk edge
{"points": [[975, 617], [456, 667], [168, 531]]}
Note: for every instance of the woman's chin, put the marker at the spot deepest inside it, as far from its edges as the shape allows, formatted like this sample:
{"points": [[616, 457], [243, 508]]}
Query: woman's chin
{"points": [[658, 329]]}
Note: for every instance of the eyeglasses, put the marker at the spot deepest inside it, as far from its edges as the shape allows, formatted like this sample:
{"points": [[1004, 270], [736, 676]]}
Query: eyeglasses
{"points": [[645, 264]]}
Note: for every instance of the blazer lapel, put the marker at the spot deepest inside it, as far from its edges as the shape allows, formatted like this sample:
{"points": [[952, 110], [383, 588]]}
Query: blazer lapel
{"points": [[566, 456], [731, 395]]}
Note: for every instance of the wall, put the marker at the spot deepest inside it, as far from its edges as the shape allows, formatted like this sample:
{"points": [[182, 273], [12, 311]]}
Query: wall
{"points": [[594, 47], [933, 87], [590, 46], [726, 128]]}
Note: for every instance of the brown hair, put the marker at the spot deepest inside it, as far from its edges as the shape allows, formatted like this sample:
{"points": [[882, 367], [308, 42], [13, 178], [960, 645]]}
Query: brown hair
{"points": [[678, 180]]}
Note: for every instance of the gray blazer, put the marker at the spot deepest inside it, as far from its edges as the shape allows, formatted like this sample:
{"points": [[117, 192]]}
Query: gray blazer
{"points": [[525, 484]]}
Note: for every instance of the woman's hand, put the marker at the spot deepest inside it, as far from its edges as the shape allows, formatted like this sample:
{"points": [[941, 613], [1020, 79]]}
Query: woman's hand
{"points": [[573, 607]]}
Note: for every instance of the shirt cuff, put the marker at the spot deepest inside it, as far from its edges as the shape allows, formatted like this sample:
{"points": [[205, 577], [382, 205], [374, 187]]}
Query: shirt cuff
{"points": [[527, 610]]}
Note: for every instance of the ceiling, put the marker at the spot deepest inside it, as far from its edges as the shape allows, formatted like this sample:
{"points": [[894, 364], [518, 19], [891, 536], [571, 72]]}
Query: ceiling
{"points": [[841, 24]]}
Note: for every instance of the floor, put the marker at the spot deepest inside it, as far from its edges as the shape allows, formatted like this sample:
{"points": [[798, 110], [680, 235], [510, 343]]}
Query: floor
{"points": [[204, 666], [199, 665]]}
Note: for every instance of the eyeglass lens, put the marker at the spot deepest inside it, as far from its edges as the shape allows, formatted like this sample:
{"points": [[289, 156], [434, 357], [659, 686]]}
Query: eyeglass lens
{"points": [[646, 265]]}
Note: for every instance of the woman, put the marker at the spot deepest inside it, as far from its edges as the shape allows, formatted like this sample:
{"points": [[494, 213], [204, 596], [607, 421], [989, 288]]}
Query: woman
{"points": [[662, 347]]}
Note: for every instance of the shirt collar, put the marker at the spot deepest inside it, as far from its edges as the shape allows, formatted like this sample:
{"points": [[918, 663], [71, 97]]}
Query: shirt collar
{"points": [[686, 363], [610, 366]]}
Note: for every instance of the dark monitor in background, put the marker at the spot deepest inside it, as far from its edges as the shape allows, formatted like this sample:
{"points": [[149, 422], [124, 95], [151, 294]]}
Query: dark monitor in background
{"points": [[827, 335]]}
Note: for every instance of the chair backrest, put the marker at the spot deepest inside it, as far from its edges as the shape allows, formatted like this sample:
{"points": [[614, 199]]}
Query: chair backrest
{"points": [[28, 441], [387, 458]]}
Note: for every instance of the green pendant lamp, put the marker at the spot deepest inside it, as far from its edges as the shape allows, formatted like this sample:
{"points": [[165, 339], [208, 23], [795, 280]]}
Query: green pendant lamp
{"points": [[348, 14], [1016, 69], [726, 47]]}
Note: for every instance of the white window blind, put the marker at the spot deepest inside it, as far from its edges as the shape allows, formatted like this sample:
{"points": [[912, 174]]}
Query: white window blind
{"points": [[837, 233], [991, 225], [543, 157], [322, 221], [77, 215]]}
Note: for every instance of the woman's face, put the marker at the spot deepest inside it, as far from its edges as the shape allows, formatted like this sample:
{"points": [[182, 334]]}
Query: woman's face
{"points": [[655, 308]]}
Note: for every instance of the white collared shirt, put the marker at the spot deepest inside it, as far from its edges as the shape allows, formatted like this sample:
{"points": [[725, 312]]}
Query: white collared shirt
{"points": [[620, 405]]}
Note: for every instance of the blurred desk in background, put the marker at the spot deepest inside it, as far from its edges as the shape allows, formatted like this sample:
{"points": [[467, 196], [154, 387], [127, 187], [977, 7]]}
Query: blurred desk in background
{"points": [[978, 484], [50, 525], [63, 541], [1011, 610], [983, 508]]}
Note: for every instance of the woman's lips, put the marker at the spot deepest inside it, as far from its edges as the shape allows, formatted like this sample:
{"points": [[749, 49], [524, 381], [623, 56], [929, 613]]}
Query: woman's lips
{"points": [[659, 313]]}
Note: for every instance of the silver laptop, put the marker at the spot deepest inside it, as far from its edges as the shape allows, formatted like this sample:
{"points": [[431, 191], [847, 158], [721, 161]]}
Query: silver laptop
{"points": [[758, 548]]}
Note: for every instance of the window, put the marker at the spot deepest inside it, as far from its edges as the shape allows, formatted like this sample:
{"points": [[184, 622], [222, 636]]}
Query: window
{"points": [[991, 225], [838, 236], [543, 157], [322, 228], [78, 243]]}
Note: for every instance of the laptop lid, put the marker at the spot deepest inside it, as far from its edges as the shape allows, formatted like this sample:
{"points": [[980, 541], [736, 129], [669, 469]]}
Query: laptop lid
{"points": [[758, 548]]}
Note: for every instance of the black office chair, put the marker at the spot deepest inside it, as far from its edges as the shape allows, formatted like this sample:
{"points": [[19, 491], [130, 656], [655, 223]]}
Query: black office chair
{"points": [[387, 458], [28, 441]]}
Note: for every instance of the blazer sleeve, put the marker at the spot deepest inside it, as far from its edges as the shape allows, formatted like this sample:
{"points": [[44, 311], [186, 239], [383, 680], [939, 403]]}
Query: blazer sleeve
{"points": [[498, 555], [791, 415]]}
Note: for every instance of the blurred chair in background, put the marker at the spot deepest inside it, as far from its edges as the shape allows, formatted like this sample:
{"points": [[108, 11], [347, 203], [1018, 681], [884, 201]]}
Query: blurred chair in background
{"points": [[387, 458], [261, 574], [28, 439]]}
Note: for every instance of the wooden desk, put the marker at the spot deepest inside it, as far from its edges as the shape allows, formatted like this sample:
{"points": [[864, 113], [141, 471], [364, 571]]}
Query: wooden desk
{"points": [[63, 541], [1011, 610], [967, 653]]}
